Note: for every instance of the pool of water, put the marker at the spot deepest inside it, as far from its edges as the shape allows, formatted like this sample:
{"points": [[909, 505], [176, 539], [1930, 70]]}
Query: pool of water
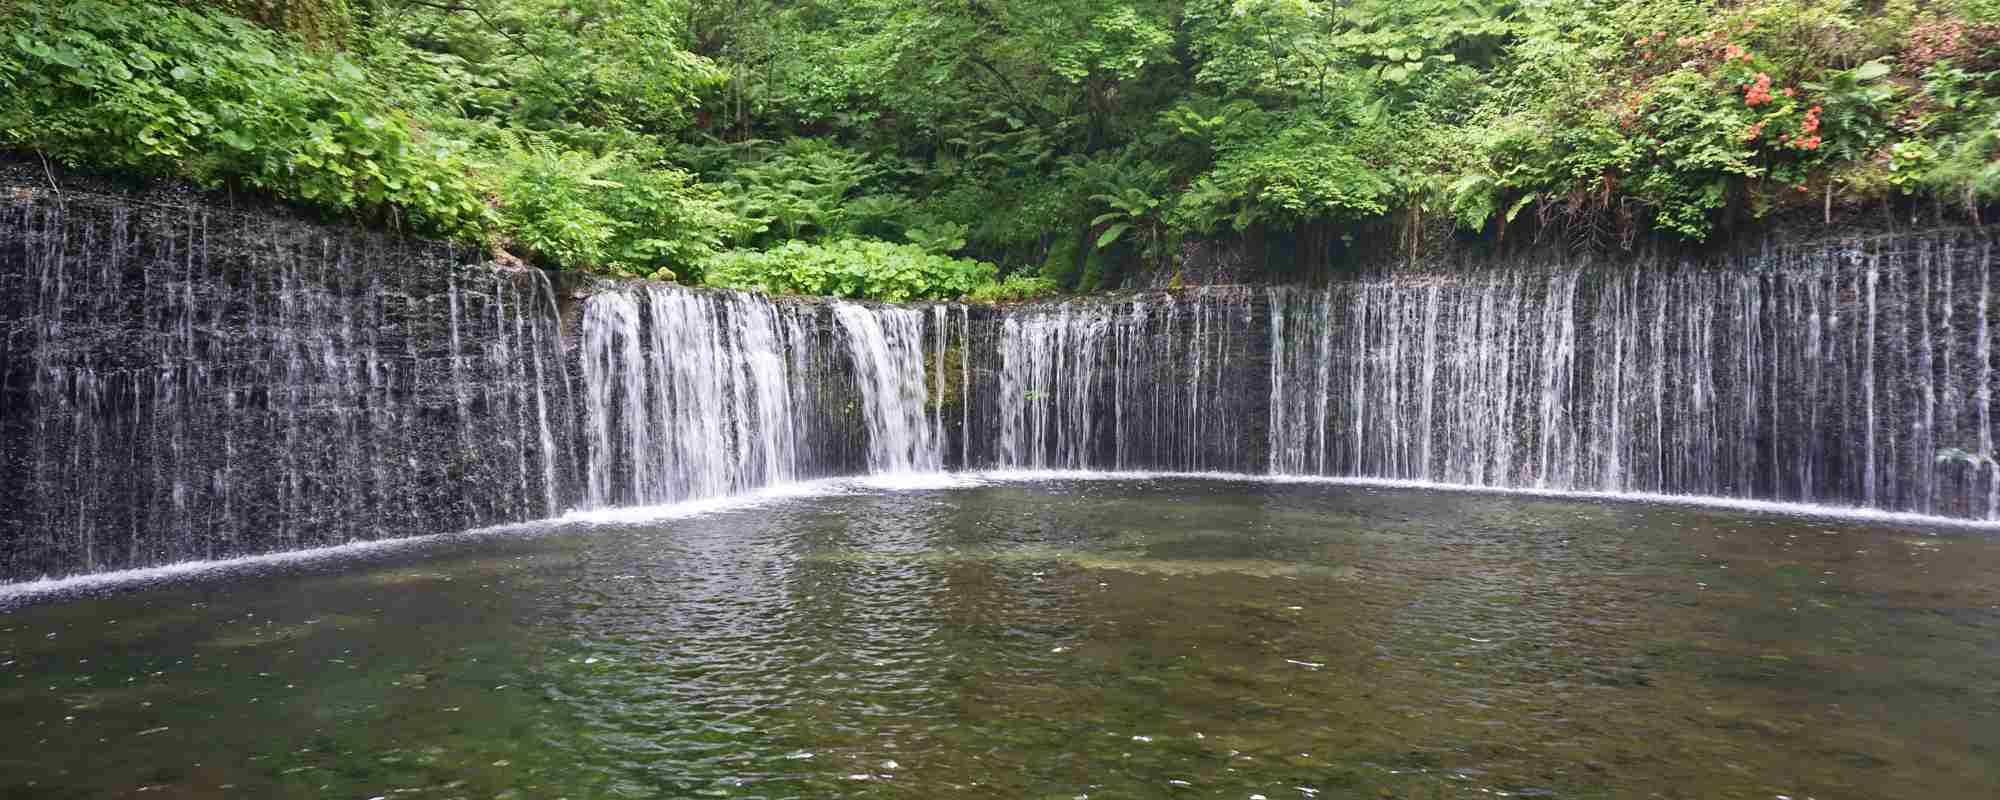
{"points": [[1103, 638]]}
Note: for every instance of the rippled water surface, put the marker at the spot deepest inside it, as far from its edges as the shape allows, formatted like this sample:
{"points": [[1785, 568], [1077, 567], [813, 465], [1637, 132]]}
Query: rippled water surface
{"points": [[1115, 638]]}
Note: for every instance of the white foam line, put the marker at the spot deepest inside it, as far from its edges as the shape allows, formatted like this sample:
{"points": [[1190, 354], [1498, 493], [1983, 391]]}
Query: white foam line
{"points": [[824, 487], [15, 593], [25, 590], [919, 481], [1692, 500]]}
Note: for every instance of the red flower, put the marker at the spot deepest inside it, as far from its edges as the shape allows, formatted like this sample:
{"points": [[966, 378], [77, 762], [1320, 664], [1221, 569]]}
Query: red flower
{"points": [[1758, 93]]}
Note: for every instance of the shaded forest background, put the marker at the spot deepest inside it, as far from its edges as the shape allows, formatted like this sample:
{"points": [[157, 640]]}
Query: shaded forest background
{"points": [[1009, 149]]}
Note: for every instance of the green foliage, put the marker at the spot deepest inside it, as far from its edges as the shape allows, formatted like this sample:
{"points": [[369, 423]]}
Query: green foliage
{"points": [[1132, 198], [788, 144], [1857, 109], [668, 224], [164, 90], [1261, 47], [1951, 145], [1968, 168], [607, 213], [588, 68], [858, 268], [943, 239], [1302, 172], [882, 216], [161, 90], [1398, 39], [548, 196], [1073, 264], [1062, 263], [1693, 145], [1117, 45], [1014, 289], [321, 23], [1675, 108], [801, 190]]}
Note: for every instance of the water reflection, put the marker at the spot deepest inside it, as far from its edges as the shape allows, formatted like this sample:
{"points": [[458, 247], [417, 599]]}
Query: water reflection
{"points": [[1109, 638]]}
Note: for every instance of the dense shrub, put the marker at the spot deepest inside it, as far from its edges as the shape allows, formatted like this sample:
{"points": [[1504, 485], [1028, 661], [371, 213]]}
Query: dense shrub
{"points": [[1088, 138], [161, 90], [849, 268], [608, 213], [1014, 289]]}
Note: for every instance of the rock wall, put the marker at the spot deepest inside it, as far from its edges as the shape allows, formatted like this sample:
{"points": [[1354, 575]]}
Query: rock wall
{"points": [[185, 382]]}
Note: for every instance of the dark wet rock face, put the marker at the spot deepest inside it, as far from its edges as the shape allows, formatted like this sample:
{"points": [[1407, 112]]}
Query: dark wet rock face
{"points": [[183, 383]]}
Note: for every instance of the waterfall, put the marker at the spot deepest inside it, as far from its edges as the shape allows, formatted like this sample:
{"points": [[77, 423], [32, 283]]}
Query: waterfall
{"points": [[541, 354], [885, 345], [178, 382], [1839, 375], [185, 383], [965, 385], [1301, 343], [1050, 370], [1156, 381], [691, 394]]}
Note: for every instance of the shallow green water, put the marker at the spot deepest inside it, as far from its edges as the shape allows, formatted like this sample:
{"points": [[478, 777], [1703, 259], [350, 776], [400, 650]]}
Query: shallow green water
{"points": [[1116, 639]]}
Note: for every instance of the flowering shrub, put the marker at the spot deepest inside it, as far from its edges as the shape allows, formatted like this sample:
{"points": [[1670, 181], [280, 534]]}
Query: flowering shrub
{"points": [[1808, 138], [1758, 92], [1766, 101]]}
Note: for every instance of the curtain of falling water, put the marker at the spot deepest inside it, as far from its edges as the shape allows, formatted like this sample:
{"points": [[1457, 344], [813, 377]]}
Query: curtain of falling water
{"points": [[184, 384], [180, 384], [950, 381], [886, 347], [1155, 381], [692, 394], [1850, 376]]}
